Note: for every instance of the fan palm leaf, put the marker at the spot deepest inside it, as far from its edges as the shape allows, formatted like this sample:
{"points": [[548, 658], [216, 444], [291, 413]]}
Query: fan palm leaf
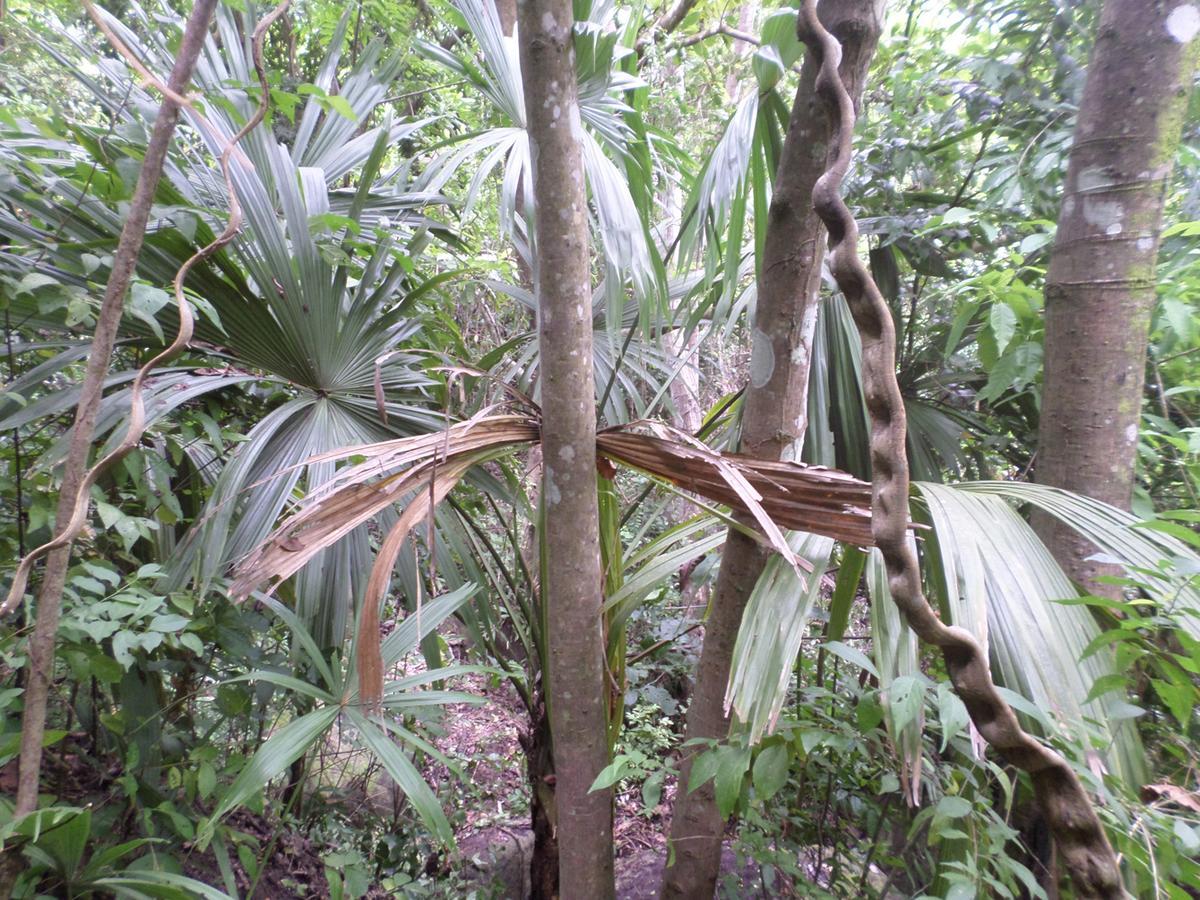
{"points": [[621, 224], [312, 300], [418, 472]]}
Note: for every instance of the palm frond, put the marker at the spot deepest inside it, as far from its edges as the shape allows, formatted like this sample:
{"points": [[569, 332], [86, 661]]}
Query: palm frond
{"points": [[619, 222], [419, 472], [992, 575], [1139, 546], [775, 621]]}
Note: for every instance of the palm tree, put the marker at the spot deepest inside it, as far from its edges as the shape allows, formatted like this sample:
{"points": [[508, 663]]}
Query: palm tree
{"points": [[313, 305], [620, 218]]}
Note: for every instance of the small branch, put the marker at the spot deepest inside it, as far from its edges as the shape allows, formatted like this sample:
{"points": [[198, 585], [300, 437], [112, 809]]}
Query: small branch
{"points": [[667, 22], [722, 30], [658, 645]]}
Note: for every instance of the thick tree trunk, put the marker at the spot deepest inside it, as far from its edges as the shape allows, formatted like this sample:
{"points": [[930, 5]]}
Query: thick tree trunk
{"points": [[1100, 287], [774, 417], [49, 603], [573, 589]]}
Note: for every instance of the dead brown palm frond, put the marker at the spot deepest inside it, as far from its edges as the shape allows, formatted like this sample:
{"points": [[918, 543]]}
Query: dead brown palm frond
{"points": [[420, 471], [790, 495]]}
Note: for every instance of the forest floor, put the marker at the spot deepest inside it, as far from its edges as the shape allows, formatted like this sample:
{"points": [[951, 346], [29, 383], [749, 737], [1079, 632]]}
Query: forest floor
{"points": [[495, 807]]}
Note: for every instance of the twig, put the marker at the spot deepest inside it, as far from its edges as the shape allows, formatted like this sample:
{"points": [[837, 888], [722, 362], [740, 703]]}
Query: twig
{"points": [[721, 30], [660, 644]]}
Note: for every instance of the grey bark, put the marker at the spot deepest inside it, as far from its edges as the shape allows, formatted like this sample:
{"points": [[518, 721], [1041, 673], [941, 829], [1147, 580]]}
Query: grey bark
{"points": [[1101, 282], [573, 590], [129, 246], [774, 416]]}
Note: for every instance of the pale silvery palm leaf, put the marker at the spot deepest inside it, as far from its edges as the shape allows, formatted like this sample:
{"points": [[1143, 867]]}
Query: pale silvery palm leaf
{"points": [[620, 225], [989, 573], [291, 306], [768, 642], [628, 367], [992, 575]]}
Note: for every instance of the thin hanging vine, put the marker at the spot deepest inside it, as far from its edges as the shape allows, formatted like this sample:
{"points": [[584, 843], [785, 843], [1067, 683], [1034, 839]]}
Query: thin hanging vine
{"points": [[1072, 820]]}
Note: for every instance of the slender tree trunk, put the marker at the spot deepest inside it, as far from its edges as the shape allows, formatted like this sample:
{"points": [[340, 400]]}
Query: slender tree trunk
{"points": [[774, 417], [1100, 287], [746, 18], [573, 590], [506, 10], [49, 603]]}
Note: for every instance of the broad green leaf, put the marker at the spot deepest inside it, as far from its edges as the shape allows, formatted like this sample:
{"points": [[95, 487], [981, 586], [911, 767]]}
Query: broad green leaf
{"points": [[731, 771], [771, 770]]}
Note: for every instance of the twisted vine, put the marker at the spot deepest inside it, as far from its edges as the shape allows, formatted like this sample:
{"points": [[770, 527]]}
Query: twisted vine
{"points": [[137, 407], [1077, 831]]}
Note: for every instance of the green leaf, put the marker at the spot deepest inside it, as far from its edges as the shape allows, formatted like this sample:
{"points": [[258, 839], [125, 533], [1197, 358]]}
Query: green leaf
{"points": [[1003, 322], [704, 768], [951, 713], [611, 774], [952, 807], [159, 884], [35, 281], [768, 67], [852, 656], [1180, 699], [905, 698], [1188, 836], [342, 107], [11, 743], [1114, 681], [849, 577], [731, 771], [67, 842], [206, 780], [771, 770], [144, 303], [406, 776], [168, 623], [279, 751], [779, 31]]}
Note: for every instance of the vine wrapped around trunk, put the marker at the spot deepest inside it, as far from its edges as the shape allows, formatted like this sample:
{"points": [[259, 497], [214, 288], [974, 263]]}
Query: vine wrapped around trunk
{"points": [[1076, 828]]}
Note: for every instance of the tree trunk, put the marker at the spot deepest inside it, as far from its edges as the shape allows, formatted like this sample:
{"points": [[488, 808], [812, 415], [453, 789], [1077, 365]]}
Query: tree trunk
{"points": [[1100, 286], [774, 417], [506, 11], [539, 767], [742, 49], [575, 685], [49, 604]]}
